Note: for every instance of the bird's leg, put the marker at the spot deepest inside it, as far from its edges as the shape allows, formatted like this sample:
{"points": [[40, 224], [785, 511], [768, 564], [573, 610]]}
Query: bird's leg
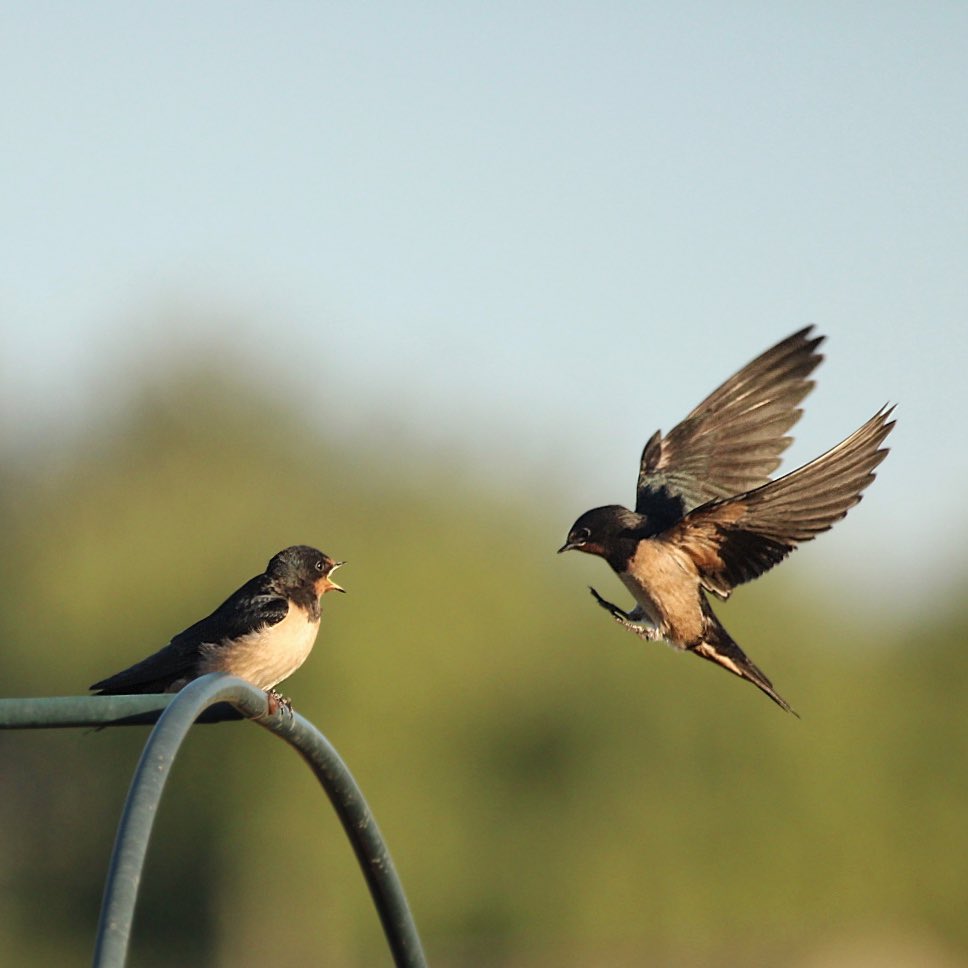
{"points": [[275, 700], [628, 620], [613, 610]]}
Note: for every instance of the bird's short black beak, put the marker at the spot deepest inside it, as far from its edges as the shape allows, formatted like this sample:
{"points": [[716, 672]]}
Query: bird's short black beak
{"points": [[569, 546]]}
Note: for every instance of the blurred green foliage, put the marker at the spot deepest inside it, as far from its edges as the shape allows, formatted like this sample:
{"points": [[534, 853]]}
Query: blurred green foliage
{"points": [[553, 791]]}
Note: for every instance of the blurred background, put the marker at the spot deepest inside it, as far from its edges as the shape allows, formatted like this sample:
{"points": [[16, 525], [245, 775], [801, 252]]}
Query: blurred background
{"points": [[414, 283]]}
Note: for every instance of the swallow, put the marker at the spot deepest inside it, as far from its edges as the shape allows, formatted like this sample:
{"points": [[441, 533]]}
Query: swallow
{"points": [[262, 633], [707, 515]]}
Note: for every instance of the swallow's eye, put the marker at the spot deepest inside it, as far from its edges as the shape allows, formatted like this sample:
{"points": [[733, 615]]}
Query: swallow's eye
{"points": [[319, 564], [582, 535]]}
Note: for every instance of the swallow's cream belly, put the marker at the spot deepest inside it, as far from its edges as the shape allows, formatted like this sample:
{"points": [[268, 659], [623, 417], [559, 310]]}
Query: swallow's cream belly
{"points": [[267, 656]]}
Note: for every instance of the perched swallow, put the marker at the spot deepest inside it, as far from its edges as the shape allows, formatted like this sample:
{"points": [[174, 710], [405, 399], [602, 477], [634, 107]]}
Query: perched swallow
{"points": [[262, 633], [707, 516]]}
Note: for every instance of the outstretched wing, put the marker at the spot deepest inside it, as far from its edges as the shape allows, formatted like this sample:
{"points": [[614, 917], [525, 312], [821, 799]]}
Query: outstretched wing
{"points": [[733, 440], [733, 541]]}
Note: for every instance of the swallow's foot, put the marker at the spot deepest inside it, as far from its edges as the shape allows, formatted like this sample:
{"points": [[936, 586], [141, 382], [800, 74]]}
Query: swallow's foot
{"points": [[625, 618], [276, 701], [613, 610]]}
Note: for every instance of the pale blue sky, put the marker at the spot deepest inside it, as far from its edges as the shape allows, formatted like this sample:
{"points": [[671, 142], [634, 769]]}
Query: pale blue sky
{"points": [[541, 229]]}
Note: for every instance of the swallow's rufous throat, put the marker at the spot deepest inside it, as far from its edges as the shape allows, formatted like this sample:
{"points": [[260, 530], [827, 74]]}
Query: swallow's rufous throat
{"points": [[707, 516], [262, 633]]}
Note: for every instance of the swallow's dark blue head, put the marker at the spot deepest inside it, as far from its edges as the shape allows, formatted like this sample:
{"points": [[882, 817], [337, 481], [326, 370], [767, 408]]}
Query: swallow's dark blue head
{"points": [[302, 565], [602, 531]]}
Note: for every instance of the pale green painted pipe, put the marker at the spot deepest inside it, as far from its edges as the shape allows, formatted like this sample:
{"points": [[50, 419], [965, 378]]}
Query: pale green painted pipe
{"points": [[175, 716]]}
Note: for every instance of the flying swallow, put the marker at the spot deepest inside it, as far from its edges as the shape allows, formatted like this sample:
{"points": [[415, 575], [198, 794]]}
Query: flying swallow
{"points": [[707, 516], [262, 633]]}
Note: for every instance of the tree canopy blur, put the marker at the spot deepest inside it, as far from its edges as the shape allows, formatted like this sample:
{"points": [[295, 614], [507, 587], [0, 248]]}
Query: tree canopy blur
{"points": [[553, 791]]}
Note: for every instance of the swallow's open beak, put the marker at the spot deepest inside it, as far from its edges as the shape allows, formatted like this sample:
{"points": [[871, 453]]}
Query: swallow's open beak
{"points": [[330, 585]]}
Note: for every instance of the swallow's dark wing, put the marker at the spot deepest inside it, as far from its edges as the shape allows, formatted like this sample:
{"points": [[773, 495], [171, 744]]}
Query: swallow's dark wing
{"points": [[252, 607], [255, 605], [154, 674], [736, 540], [733, 440]]}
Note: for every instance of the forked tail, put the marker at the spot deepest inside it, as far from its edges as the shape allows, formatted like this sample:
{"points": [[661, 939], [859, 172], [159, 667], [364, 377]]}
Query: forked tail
{"points": [[718, 647]]}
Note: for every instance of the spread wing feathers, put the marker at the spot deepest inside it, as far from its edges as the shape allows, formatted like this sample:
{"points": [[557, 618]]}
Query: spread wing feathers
{"points": [[736, 540], [252, 607], [733, 440]]}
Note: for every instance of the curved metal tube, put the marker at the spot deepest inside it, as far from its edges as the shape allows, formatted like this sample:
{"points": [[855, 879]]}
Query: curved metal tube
{"points": [[178, 713], [57, 712]]}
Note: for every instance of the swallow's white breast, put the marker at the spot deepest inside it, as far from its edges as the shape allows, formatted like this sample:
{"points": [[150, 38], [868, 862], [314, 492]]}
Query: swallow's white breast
{"points": [[266, 656]]}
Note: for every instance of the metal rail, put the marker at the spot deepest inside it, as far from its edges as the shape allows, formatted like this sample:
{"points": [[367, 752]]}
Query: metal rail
{"points": [[213, 698]]}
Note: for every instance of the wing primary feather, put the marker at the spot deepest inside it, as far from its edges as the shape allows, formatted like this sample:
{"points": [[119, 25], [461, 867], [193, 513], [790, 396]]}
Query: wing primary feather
{"points": [[732, 441], [735, 540]]}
